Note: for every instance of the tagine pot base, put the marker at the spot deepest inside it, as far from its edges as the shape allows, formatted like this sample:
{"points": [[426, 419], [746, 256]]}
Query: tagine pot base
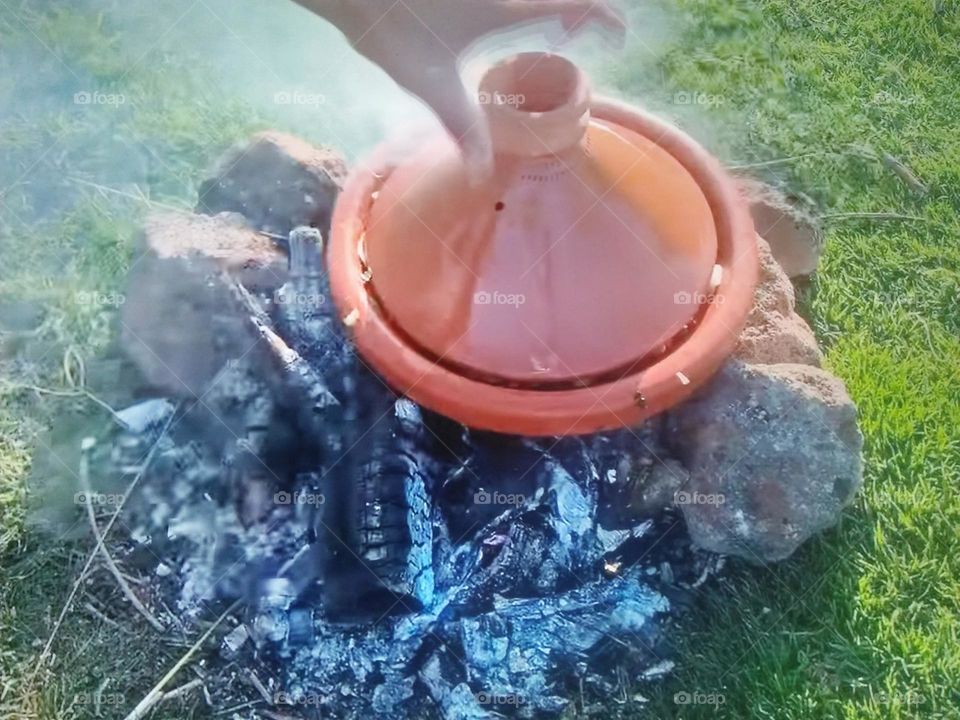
{"points": [[599, 276]]}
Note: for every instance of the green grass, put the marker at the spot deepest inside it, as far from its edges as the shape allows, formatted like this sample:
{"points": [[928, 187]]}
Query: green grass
{"points": [[861, 623], [62, 242]]}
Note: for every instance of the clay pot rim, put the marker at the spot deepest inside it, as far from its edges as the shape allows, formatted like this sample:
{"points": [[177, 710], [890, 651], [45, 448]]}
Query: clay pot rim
{"points": [[618, 403]]}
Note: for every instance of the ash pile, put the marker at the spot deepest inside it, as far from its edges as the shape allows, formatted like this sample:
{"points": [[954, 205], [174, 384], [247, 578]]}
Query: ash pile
{"points": [[392, 563], [391, 560]]}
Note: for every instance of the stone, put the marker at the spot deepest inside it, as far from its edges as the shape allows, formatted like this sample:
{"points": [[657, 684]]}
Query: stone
{"points": [[794, 233], [774, 455], [648, 491], [179, 322], [779, 340], [774, 333], [223, 241], [276, 181], [775, 292]]}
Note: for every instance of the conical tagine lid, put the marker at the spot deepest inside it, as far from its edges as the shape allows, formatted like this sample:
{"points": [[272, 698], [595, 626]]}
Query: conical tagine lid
{"points": [[590, 254]]}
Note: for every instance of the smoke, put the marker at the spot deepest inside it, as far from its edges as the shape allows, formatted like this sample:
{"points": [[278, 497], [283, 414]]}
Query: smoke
{"points": [[297, 70], [105, 104]]}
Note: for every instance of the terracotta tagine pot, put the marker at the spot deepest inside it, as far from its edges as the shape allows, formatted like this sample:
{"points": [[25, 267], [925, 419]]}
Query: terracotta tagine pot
{"points": [[598, 277]]}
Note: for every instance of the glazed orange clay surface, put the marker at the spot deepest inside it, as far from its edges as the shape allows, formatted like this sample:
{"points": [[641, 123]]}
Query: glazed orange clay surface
{"points": [[597, 277]]}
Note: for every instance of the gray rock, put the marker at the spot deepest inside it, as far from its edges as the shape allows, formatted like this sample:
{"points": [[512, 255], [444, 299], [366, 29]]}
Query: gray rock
{"points": [[179, 322], [277, 182], [779, 339], [774, 455], [774, 332], [791, 229]]}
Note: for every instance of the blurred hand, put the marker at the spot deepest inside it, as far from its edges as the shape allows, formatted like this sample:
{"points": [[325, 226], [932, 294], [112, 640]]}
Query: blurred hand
{"points": [[419, 44]]}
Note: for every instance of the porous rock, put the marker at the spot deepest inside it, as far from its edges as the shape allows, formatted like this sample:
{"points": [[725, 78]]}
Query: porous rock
{"points": [[277, 181], [774, 333], [179, 322], [794, 234], [774, 455]]}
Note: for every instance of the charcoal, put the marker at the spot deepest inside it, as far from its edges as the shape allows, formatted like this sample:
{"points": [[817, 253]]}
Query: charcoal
{"points": [[517, 652], [394, 563], [380, 531], [388, 696], [300, 623], [455, 700]]}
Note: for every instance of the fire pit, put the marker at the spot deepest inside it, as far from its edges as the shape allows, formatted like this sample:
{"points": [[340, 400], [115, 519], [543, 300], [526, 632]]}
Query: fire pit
{"points": [[391, 558], [391, 561]]}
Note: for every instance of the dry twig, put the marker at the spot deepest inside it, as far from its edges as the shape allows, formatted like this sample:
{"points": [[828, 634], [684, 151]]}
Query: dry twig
{"points": [[83, 393], [156, 694], [871, 216], [91, 608], [277, 716], [107, 558], [906, 175], [260, 687], [180, 691], [45, 653]]}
